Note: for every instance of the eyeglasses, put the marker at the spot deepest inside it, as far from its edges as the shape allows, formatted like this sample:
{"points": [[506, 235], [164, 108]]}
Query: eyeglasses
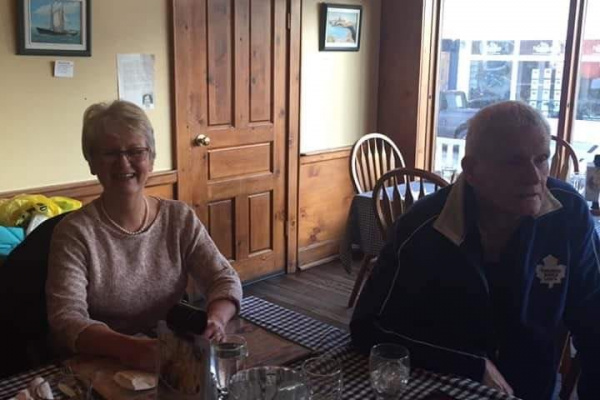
{"points": [[135, 155]]}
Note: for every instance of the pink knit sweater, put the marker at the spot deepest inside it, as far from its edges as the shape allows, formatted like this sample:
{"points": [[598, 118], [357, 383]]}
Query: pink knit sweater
{"points": [[99, 275]]}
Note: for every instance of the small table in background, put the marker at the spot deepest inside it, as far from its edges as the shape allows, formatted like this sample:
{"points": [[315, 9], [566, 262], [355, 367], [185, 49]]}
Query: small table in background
{"points": [[362, 228]]}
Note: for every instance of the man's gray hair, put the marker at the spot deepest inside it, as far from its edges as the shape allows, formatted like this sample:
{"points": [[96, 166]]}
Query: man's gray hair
{"points": [[97, 117], [491, 122]]}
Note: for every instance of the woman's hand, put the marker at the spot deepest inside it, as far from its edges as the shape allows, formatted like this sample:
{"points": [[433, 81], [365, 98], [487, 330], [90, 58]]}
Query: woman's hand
{"points": [[219, 313], [134, 352], [141, 354], [215, 330], [494, 379]]}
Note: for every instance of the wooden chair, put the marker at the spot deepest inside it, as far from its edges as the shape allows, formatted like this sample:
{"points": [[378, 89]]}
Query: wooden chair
{"points": [[565, 153], [569, 369], [389, 203], [373, 155]]}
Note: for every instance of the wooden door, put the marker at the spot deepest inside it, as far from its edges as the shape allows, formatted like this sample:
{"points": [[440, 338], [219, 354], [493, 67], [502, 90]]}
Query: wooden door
{"points": [[230, 86]]}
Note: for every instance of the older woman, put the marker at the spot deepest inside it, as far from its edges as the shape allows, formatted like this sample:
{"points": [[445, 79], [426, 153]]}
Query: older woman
{"points": [[118, 264]]}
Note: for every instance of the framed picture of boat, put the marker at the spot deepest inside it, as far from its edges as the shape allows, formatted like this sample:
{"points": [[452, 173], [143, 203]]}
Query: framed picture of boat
{"points": [[54, 28], [340, 27]]}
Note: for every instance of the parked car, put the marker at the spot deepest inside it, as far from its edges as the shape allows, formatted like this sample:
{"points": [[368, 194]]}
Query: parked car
{"points": [[454, 113]]}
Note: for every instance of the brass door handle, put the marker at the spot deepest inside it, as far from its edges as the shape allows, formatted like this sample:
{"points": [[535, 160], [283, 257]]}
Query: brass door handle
{"points": [[202, 140]]}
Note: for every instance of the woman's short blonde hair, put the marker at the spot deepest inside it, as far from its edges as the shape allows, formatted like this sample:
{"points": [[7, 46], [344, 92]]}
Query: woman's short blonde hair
{"points": [[97, 118]]}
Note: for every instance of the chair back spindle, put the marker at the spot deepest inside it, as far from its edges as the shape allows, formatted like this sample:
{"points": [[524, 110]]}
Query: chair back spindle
{"points": [[373, 155], [560, 163], [393, 194]]}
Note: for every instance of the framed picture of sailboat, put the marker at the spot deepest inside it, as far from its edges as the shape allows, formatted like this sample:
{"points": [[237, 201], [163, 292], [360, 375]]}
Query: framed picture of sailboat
{"points": [[54, 27]]}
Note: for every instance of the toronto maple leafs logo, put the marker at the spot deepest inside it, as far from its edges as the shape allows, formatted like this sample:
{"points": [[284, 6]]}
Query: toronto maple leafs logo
{"points": [[550, 272]]}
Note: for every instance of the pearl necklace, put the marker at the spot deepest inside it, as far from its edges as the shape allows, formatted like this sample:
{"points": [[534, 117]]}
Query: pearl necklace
{"points": [[119, 227]]}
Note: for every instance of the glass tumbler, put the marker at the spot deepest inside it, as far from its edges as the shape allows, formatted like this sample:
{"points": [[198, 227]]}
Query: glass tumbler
{"points": [[268, 383], [389, 366], [229, 357], [324, 377]]}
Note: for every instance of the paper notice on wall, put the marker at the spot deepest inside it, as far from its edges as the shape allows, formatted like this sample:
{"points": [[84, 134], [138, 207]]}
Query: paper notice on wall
{"points": [[63, 69], [135, 74]]}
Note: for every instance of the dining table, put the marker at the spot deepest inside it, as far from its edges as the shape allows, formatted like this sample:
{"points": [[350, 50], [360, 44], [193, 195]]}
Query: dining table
{"points": [[286, 337]]}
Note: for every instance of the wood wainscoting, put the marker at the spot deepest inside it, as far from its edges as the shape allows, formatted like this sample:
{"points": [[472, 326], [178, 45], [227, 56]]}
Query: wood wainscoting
{"points": [[324, 200], [160, 184]]}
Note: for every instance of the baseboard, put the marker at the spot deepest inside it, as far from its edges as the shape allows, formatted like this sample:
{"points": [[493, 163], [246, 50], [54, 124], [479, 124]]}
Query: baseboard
{"points": [[318, 253]]}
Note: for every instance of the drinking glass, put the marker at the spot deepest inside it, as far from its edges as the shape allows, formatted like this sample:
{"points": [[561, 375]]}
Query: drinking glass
{"points": [[324, 377], [577, 180], [229, 356], [449, 174], [70, 386], [389, 365], [268, 383]]}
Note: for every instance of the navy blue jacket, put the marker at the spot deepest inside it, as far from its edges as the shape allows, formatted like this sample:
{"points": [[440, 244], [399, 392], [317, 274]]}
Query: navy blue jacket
{"points": [[431, 291]]}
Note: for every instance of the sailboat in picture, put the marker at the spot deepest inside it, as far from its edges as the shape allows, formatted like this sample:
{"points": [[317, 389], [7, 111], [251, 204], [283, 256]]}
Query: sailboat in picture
{"points": [[57, 22]]}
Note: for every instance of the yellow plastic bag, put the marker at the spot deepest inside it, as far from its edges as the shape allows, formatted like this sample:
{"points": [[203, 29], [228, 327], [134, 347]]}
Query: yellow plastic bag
{"points": [[66, 203], [19, 210]]}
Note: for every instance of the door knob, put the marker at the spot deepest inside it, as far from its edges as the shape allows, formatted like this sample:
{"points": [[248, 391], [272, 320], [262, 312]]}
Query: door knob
{"points": [[202, 140]]}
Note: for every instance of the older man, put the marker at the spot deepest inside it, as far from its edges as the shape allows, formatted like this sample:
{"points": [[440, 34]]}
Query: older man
{"points": [[479, 278]]}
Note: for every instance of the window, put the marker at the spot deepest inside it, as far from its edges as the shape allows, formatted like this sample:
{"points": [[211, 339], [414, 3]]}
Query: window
{"points": [[585, 137], [497, 50]]}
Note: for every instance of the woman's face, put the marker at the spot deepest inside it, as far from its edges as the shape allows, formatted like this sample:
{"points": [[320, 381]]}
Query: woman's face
{"points": [[121, 160]]}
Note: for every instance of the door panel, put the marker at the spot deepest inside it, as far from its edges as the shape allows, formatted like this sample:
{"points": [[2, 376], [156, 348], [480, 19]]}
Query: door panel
{"points": [[230, 84], [260, 62], [220, 62], [239, 161], [220, 224], [260, 206]]}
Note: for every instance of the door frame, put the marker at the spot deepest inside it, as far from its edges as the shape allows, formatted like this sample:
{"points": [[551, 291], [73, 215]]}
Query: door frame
{"points": [[182, 158]]}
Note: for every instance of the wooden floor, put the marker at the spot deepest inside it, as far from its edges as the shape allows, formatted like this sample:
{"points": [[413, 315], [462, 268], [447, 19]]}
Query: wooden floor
{"points": [[321, 292]]}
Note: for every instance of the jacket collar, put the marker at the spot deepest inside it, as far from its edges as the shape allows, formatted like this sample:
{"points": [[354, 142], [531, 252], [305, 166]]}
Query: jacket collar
{"points": [[460, 211]]}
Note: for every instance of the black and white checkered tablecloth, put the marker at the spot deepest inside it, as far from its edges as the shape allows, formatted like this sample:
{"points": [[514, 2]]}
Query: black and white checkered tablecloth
{"points": [[9, 387], [361, 229], [320, 337]]}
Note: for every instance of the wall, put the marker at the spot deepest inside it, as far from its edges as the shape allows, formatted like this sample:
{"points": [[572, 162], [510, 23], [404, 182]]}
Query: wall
{"points": [[325, 196], [338, 106], [40, 116], [401, 89], [338, 89]]}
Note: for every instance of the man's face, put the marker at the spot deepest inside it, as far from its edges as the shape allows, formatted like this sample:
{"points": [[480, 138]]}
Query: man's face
{"points": [[512, 177]]}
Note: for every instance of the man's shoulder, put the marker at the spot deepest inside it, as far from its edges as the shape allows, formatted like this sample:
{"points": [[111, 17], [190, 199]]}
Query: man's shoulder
{"points": [[570, 200], [424, 211]]}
